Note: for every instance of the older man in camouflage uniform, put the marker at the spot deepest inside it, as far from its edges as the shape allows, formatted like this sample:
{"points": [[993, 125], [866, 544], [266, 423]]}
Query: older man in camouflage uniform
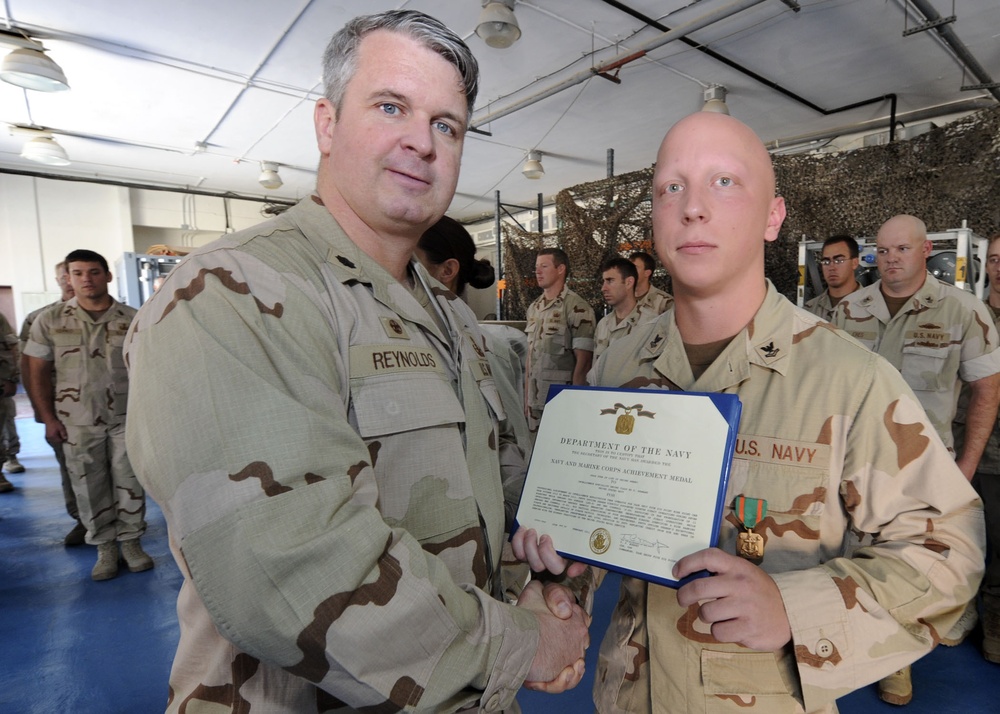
{"points": [[938, 337], [9, 378], [831, 441], [560, 328], [79, 386], [321, 427]]}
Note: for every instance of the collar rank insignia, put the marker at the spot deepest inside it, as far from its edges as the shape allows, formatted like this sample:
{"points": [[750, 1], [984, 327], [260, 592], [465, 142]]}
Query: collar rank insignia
{"points": [[769, 350], [394, 328]]}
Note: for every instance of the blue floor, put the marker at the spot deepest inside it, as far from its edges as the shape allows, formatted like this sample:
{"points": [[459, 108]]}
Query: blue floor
{"points": [[72, 645]]}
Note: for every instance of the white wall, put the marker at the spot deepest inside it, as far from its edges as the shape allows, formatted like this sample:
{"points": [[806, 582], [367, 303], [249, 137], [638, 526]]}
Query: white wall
{"points": [[41, 220]]}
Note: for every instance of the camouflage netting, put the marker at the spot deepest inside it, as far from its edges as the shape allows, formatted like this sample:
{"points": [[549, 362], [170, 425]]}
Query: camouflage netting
{"points": [[946, 176]]}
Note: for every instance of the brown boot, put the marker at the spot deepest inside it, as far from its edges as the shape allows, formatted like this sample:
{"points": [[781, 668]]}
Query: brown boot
{"points": [[5, 485], [135, 557], [897, 688], [107, 561], [991, 628], [77, 536]]}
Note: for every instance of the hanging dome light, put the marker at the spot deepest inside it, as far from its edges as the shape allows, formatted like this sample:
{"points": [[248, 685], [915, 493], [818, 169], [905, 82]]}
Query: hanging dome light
{"points": [[533, 168], [33, 69], [497, 24], [715, 99], [269, 177], [45, 150]]}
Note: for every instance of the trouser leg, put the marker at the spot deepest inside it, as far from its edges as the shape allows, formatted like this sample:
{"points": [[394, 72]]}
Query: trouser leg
{"points": [[129, 494], [9, 427], [988, 487], [86, 451], [69, 497]]}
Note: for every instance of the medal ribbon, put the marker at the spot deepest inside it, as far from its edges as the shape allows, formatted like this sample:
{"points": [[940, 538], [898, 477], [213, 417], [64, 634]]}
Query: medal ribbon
{"points": [[757, 511]]}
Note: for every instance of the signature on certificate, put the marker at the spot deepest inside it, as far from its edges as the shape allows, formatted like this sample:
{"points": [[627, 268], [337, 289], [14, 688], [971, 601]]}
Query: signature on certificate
{"points": [[634, 541]]}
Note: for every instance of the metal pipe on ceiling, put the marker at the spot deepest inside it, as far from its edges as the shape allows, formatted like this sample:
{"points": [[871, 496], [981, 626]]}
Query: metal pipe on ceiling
{"points": [[948, 34], [696, 24]]}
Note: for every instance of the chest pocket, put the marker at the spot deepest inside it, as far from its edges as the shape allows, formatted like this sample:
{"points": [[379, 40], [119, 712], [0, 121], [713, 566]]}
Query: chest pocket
{"points": [[795, 494], [68, 352], [930, 369], [398, 403]]}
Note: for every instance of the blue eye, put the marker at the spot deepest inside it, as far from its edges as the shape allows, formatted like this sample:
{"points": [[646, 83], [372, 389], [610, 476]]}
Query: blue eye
{"points": [[725, 181], [444, 128], [390, 109]]}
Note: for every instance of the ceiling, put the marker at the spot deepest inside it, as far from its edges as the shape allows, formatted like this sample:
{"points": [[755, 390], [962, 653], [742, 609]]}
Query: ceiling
{"points": [[188, 93]]}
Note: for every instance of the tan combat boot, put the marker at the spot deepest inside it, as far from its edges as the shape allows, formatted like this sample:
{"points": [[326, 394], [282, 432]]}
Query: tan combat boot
{"points": [[897, 688], [991, 628], [14, 466], [107, 561], [135, 557]]}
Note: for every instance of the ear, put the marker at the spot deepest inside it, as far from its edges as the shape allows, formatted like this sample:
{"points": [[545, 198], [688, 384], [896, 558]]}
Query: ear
{"points": [[775, 217], [926, 249], [324, 119], [449, 271], [110, 276]]}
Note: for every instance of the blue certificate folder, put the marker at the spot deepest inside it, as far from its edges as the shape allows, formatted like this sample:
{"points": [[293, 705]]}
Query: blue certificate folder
{"points": [[631, 480]]}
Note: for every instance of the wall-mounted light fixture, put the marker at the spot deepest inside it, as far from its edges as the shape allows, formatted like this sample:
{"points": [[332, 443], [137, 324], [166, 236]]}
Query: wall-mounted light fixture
{"points": [[497, 25], [533, 168]]}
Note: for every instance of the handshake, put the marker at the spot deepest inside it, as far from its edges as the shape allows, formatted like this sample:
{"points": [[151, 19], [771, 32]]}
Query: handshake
{"points": [[563, 626]]}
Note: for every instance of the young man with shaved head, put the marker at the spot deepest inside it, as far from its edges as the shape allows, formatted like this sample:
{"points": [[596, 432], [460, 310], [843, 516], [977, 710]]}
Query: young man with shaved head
{"points": [[831, 442]]}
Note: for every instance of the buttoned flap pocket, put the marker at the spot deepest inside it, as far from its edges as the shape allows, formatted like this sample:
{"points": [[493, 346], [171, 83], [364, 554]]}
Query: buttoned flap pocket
{"points": [[398, 403], [68, 351], [555, 376], [929, 369], [750, 677], [116, 344]]}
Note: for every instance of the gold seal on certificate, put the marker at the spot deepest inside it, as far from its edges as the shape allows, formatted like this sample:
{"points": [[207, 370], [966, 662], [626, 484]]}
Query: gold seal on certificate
{"points": [[630, 480]]}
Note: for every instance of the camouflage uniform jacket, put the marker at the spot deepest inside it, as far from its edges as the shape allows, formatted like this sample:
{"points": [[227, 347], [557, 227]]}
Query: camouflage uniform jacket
{"points": [[25, 332], [833, 439], [943, 335], [655, 301], [10, 370], [610, 328], [989, 462], [91, 382], [326, 460], [821, 306], [554, 330]]}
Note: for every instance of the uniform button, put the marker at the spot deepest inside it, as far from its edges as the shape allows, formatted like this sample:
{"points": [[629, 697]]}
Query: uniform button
{"points": [[494, 703], [824, 648]]}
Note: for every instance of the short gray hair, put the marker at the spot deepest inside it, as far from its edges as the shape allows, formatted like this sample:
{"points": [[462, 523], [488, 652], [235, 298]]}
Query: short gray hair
{"points": [[340, 61]]}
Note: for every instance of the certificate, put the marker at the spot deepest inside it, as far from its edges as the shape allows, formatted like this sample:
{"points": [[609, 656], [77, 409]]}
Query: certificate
{"points": [[630, 480]]}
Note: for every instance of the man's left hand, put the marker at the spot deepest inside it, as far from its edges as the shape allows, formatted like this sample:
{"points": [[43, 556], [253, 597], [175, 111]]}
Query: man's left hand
{"points": [[739, 601], [8, 389]]}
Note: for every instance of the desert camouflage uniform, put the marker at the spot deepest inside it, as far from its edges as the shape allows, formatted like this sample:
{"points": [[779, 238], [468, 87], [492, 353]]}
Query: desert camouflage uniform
{"points": [[610, 329], [987, 483], [326, 455], [822, 306], [944, 336], [67, 485], [91, 396], [655, 301], [10, 371], [833, 439], [554, 330]]}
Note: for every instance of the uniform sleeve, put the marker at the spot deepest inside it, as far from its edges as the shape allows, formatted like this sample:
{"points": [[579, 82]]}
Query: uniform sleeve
{"points": [[39, 343], [917, 558], [582, 325], [237, 426], [980, 356], [9, 369]]}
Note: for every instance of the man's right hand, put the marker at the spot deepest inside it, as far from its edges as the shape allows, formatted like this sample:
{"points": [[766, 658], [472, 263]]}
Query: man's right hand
{"points": [[563, 638], [55, 432]]}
